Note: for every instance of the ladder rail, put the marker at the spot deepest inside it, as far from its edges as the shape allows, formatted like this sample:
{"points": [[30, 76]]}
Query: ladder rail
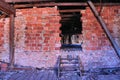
{"points": [[59, 59], [79, 65]]}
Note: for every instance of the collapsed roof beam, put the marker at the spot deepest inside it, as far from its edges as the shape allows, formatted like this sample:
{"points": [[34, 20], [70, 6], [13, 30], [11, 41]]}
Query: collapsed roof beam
{"points": [[5, 7]]}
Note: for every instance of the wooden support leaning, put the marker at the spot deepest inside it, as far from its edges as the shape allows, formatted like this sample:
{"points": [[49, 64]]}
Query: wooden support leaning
{"points": [[103, 25]]}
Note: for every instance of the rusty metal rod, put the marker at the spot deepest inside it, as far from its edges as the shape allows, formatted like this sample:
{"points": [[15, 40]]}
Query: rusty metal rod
{"points": [[103, 25]]}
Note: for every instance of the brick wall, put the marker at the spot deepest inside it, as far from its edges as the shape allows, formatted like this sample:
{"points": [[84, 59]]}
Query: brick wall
{"points": [[97, 49], [37, 36], [37, 41]]}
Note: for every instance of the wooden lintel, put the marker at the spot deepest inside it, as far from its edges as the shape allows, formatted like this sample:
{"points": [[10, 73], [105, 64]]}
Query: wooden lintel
{"points": [[72, 10], [5, 7]]}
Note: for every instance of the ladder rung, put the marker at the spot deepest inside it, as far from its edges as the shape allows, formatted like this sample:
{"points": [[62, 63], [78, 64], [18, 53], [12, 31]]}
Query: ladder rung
{"points": [[70, 72], [68, 62], [69, 59], [69, 67]]}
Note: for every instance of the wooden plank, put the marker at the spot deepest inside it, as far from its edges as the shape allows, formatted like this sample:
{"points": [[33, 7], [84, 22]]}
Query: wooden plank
{"points": [[71, 10], [34, 75], [51, 76], [5, 7], [50, 4], [75, 77], [15, 76], [11, 41], [15, 1], [58, 66], [22, 76], [40, 75], [28, 75], [45, 75], [55, 76]]}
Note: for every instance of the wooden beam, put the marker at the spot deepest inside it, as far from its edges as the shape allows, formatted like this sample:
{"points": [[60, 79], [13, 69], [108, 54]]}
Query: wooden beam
{"points": [[50, 4], [11, 41], [3, 16], [5, 7], [65, 16], [19, 1], [72, 10]]}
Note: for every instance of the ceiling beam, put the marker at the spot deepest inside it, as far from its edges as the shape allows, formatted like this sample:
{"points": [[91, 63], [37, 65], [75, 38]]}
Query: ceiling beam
{"points": [[50, 4], [71, 10], [19, 1], [6, 8]]}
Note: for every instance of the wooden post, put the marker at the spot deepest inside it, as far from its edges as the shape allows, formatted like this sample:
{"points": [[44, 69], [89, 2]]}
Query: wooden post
{"points": [[11, 41]]}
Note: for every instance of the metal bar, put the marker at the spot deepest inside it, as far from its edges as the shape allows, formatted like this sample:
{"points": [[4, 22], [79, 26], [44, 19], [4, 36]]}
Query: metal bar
{"points": [[11, 41], [103, 25]]}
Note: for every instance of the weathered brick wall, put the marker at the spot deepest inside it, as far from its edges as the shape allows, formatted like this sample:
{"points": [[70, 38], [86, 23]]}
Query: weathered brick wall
{"points": [[37, 36], [37, 41], [97, 49], [4, 40]]}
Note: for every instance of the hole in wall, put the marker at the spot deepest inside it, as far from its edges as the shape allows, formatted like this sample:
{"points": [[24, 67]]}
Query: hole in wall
{"points": [[71, 31]]}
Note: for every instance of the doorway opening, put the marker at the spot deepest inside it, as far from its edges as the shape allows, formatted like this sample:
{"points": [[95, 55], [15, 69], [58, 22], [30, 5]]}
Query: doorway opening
{"points": [[71, 32]]}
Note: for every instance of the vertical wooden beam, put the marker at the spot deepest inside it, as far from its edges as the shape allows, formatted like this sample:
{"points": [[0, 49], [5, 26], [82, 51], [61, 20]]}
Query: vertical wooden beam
{"points": [[11, 41]]}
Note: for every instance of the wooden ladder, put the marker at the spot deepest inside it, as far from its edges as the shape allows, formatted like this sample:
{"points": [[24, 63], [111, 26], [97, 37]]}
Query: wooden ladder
{"points": [[69, 65]]}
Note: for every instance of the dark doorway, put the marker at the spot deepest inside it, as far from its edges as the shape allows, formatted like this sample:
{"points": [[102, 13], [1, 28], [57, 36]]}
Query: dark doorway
{"points": [[71, 32]]}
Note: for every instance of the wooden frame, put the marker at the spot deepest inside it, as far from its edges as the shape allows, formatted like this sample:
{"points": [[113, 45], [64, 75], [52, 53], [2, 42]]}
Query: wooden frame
{"points": [[5, 7], [9, 10]]}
